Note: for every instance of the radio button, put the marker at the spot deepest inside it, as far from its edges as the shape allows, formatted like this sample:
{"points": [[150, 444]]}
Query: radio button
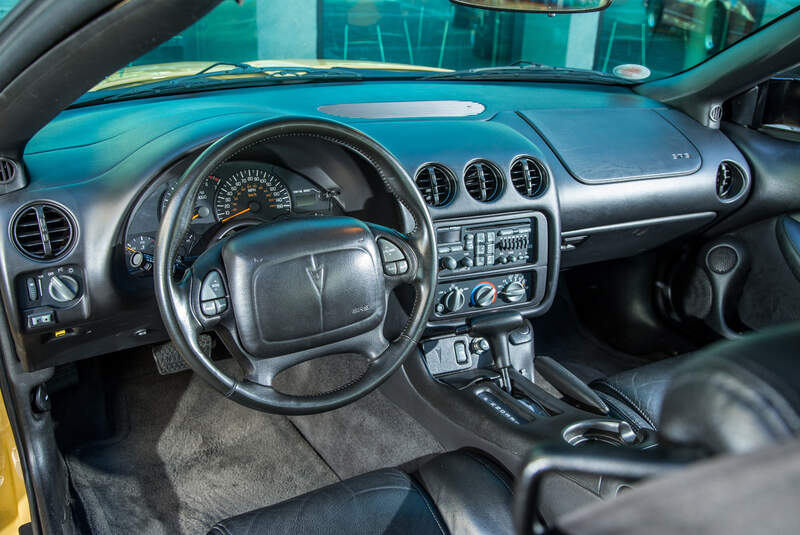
{"points": [[448, 262]]}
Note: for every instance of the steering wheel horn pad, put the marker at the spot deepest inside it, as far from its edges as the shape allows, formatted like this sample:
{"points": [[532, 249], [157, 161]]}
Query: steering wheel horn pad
{"points": [[297, 289], [302, 283]]}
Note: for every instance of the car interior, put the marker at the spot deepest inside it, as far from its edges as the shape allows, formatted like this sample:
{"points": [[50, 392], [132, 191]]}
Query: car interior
{"points": [[387, 290]]}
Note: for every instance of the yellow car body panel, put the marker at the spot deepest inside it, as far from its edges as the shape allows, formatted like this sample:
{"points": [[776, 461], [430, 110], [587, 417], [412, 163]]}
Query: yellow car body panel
{"points": [[14, 508]]}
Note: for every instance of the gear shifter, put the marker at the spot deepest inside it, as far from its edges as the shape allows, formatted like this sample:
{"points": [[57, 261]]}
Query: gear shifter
{"points": [[495, 328]]}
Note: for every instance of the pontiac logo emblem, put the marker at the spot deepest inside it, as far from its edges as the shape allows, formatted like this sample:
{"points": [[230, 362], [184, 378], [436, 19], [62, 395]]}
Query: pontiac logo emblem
{"points": [[317, 276]]}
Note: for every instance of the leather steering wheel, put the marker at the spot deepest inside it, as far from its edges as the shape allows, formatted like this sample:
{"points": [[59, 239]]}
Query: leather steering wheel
{"points": [[282, 293]]}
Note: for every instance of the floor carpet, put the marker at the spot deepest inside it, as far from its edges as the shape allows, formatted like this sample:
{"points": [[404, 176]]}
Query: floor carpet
{"points": [[184, 457]]}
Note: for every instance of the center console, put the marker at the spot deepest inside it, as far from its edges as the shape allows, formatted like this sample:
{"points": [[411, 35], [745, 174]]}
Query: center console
{"points": [[490, 264]]}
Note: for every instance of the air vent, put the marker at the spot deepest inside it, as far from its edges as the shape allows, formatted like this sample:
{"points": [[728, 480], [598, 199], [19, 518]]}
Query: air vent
{"points": [[528, 177], [483, 181], [730, 181], [436, 184], [43, 231], [7, 170]]}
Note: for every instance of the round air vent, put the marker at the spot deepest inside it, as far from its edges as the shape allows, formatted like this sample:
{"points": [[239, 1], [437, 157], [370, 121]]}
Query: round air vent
{"points": [[483, 181], [8, 170], [528, 177], [731, 181], [43, 231], [436, 184]]}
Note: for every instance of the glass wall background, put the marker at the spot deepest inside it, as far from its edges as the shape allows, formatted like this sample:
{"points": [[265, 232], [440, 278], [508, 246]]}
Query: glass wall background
{"points": [[665, 35]]}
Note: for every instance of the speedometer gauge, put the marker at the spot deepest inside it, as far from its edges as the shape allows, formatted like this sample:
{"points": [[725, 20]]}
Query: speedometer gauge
{"points": [[252, 193]]}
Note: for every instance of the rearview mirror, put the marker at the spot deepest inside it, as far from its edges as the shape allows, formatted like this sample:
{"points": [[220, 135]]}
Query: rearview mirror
{"points": [[538, 6]]}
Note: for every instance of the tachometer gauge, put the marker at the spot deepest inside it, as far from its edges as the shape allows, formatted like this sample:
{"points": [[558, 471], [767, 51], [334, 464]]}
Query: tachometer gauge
{"points": [[202, 204], [252, 193]]}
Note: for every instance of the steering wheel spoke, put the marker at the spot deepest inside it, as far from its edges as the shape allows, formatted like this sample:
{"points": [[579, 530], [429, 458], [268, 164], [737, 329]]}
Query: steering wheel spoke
{"points": [[400, 256], [209, 294]]}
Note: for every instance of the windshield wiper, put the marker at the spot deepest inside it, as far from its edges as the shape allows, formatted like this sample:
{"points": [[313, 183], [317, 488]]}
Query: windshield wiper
{"points": [[241, 74], [525, 70]]}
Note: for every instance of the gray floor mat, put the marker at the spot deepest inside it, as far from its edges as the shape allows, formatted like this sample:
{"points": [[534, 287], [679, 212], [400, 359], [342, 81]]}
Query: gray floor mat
{"points": [[369, 434], [191, 457]]}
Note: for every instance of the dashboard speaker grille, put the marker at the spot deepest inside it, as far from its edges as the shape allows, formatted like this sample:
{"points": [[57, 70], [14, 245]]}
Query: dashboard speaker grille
{"points": [[483, 181], [43, 231], [7, 170], [528, 177], [722, 259], [436, 184]]}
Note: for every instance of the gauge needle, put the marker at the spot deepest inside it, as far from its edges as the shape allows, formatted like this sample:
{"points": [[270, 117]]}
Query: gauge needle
{"points": [[236, 214], [195, 216], [131, 250]]}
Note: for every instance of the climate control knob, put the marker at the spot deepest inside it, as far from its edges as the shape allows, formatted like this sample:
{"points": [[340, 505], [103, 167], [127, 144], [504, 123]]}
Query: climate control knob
{"points": [[454, 300], [484, 294], [514, 292]]}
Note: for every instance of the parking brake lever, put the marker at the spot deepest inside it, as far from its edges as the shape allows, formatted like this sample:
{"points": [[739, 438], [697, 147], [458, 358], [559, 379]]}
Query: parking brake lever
{"points": [[495, 328], [568, 384]]}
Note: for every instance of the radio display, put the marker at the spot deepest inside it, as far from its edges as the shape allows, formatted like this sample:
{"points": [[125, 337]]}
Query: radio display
{"points": [[448, 235]]}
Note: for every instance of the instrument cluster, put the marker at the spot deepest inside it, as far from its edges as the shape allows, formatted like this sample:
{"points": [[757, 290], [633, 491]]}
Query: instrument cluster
{"points": [[238, 195]]}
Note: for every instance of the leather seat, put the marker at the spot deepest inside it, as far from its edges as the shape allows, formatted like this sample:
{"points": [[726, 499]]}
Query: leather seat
{"points": [[636, 395], [457, 492], [756, 361]]}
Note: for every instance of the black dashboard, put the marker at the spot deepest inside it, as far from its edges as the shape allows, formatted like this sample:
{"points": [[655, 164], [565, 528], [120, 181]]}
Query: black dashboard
{"points": [[522, 181]]}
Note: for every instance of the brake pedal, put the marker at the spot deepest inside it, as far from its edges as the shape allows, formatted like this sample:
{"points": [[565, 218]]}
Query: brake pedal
{"points": [[168, 360]]}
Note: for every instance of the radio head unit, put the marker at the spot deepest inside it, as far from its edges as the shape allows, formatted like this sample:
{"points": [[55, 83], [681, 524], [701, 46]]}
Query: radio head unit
{"points": [[490, 263], [480, 245]]}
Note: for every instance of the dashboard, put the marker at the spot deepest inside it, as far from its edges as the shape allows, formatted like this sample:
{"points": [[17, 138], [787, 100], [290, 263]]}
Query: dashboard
{"points": [[239, 194], [523, 180]]}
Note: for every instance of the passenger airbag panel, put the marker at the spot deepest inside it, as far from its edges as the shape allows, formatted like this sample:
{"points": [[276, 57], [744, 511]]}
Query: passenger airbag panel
{"points": [[611, 145]]}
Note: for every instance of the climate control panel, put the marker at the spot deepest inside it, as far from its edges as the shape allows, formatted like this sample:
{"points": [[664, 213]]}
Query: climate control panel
{"points": [[465, 296]]}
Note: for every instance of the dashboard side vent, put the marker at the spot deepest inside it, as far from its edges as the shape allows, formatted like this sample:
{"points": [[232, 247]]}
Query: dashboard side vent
{"points": [[731, 181], [43, 231], [436, 184], [528, 177], [8, 170], [483, 181]]}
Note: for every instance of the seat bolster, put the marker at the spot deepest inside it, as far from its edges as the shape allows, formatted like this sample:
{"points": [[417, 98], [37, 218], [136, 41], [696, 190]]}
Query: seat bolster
{"points": [[639, 391], [381, 502], [472, 493]]}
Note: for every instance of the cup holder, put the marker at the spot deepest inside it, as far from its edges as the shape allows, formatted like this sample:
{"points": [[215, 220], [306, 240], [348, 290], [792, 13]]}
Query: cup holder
{"points": [[613, 432]]}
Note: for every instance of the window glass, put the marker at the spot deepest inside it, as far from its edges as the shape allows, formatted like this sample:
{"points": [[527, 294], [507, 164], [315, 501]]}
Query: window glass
{"points": [[6, 6], [665, 36]]}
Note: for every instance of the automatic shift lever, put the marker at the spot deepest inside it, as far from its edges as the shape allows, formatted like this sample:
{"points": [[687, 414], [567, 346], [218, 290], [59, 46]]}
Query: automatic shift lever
{"points": [[495, 328]]}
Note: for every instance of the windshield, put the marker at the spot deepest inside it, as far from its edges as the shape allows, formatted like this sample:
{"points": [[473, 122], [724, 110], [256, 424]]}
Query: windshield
{"points": [[636, 40]]}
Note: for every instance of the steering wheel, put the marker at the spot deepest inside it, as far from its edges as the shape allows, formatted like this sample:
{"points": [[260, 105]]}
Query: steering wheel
{"points": [[282, 293]]}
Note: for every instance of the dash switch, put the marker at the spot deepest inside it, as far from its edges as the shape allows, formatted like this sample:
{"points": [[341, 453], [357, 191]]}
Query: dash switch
{"points": [[461, 352]]}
